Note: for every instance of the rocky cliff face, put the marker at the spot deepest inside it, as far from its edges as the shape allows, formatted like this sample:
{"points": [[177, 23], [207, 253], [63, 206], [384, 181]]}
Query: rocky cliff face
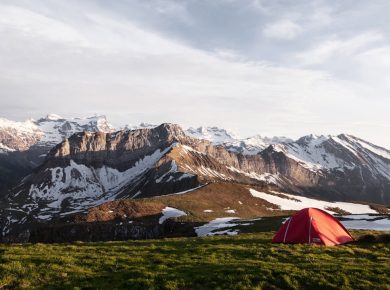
{"points": [[24, 145], [46, 132]]}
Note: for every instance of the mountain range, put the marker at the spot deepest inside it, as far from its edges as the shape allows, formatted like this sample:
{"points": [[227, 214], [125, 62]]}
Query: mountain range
{"points": [[57, 169]]}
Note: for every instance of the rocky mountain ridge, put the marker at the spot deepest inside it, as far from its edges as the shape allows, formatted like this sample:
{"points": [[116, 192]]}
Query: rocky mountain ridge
{"points": [[46, 132], [24, 145], [91, 168], [246, 146], [88, 169]]}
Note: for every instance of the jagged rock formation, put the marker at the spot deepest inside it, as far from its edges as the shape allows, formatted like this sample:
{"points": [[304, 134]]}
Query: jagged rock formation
{"points": [[24, 145], [46, 132]]}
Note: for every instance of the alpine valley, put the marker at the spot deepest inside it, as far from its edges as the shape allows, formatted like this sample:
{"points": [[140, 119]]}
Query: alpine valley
{"points": [[81, 179]]}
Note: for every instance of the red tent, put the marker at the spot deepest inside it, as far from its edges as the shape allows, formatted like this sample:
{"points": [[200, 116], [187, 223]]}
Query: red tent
{"points": [[312, 226]]}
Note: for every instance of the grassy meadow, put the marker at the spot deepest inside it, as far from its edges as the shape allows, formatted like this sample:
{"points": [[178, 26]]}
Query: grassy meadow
{"points": [[247, 261]]}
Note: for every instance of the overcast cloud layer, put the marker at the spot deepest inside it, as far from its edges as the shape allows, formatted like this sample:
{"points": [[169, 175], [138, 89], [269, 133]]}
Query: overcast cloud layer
{"points": [[269, 67]]}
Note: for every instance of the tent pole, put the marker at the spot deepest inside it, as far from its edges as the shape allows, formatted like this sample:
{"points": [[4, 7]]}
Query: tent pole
{"points": [[285, 233]]}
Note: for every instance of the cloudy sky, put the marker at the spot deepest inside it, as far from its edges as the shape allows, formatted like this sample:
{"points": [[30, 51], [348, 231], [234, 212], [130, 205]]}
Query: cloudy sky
{"points": [[252, 66]]}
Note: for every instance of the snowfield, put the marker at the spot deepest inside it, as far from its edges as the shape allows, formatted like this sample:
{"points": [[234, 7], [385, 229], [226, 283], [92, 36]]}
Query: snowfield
{"points": [[376, 223], [219, 223], [104, 183], [224, 225], [360, 217], [300, 202]]}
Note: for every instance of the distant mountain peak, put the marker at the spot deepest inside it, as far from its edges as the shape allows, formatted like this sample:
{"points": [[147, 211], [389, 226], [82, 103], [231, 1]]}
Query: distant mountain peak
{"points": [[53, 117], [232, 142], [142, 125], [47, 131], [213, 134]]}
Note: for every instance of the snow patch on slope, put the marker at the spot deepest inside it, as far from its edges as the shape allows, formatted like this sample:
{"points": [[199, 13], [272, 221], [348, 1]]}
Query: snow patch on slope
{"points": [[295, 202], [170, 212], [83, 186], [4, 148], [371, 147], [266, 177], [172, 170], [381, 224], [310, 153], [219, 223], [342, 152]]}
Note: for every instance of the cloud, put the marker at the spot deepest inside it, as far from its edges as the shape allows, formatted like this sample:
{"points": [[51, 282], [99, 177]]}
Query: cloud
{"points": [[82, 58], [282, 29], [33, 25], [174, 8], [337, 46], [125, 68]]}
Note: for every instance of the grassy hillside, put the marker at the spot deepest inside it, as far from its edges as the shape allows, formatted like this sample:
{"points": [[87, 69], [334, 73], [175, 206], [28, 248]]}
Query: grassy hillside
{"points": [[216, 198], [247, 261], [202, 205]]}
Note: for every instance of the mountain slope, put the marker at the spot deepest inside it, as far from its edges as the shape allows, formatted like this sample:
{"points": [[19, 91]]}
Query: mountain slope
{"points": [[88, 169], [24, 145], [46, 132], [342, 167]]}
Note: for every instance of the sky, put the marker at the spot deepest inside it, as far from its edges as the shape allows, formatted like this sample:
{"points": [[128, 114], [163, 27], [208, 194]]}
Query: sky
{"points": [[269, 67]]}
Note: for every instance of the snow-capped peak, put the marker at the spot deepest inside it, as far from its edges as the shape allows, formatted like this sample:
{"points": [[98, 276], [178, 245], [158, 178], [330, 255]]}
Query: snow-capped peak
{"points": [[53, 117], [213, 134], [56, 128], [313, 139], [140, 126], [18, 135], [231, 141], [379, 151], [27, 126], [315, 152], [47, 131], [342, 152]]}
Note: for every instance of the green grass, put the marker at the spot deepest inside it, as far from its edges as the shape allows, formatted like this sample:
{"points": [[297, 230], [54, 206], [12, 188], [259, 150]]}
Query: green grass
{"points": [[247, 261]]}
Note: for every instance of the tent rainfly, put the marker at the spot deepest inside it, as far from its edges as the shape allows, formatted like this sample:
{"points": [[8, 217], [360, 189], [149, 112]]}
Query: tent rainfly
{"points": [[312, 226]]}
